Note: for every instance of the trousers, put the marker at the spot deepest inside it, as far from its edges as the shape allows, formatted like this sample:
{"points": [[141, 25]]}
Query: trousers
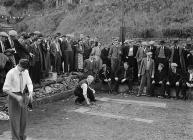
{"points": [[18, 118], [146, 78]]}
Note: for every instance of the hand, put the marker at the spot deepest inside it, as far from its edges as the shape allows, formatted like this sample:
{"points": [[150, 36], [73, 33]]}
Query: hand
{"points": [[138, 75], [153, 82], [168, 83], [31, 97], [160, 82], [116, 78], [109, 79], [189, 85], [106, 80], [177, 83], [31, 54], [123, 80], [152, 76], [20, 100]]}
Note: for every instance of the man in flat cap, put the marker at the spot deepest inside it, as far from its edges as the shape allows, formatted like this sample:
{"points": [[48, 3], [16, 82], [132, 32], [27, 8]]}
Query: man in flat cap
{"points": [[173, 80], [146, 72], [16, 81]]}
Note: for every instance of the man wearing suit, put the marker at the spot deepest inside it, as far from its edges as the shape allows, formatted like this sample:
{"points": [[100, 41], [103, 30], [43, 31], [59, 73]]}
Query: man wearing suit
{"points": [[115, 56], [159, 80], [147, 72], [21, 51], [152, 48], [67, 53], [187, 82], [125, 75], [177, 56], [173, 80], [56, 54], [141, 53], [162, 56], [129, 55], [104, 56]]}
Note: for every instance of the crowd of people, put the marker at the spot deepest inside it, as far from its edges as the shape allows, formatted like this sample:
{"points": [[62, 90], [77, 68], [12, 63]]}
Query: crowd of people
{"points": [[162, 64]]}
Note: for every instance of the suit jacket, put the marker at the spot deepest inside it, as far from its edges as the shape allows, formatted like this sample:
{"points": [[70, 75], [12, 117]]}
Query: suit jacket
{"points": [[121, 72], [160, 76], [173, 77], [53, 50], [144, 65], [182, 61], [140, 54], [20, 49], [186, 78], [103, 75], [125, 52], [167, 52]]}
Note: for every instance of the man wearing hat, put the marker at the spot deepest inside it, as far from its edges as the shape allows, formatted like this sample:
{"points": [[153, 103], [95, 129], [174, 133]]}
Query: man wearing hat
{"points": [[173, 80], [141, 53], [21, 51], [187, 82], [146, 72], [16, 81], [177, 56], [159, 80], [162, 56], [152, 48], [129, 55]]}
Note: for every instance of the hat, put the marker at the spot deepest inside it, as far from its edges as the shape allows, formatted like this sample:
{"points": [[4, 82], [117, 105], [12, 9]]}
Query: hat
{"points": [[149, 53], [174, 65], [3, 34], [162, 42], [37, 32], [162, 65], [144, 43], [12, 33], [151, 42], [24, 63]]}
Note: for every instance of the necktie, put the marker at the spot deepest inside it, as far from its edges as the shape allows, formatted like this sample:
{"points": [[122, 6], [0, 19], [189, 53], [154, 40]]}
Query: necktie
{"points": [[21, 82]]}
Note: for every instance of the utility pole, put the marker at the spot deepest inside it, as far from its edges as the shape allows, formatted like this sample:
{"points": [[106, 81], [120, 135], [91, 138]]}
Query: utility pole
{"points": [[122, 28]]}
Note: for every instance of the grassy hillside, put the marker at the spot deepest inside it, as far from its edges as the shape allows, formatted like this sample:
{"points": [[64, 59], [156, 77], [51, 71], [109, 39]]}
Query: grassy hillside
{"points": [[102, 18]]}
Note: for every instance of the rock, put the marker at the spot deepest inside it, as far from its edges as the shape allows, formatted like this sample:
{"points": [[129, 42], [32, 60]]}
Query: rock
{"points": [[48, 89], [123, 88]]}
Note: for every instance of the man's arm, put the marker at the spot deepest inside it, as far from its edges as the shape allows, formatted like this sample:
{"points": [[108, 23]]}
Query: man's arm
{"points": [[29, 85], [84, 87]]}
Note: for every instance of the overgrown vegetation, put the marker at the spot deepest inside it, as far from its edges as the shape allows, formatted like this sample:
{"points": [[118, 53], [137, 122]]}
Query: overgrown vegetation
{"points": [[143, 18]]}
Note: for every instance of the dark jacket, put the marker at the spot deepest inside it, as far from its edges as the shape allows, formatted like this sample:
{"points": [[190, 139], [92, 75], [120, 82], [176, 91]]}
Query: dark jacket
{"points": [[121, 72], [173, 77], [186, 78], [167, 52], [20, 49], [103, 75], [125, 52], [160, 76]]}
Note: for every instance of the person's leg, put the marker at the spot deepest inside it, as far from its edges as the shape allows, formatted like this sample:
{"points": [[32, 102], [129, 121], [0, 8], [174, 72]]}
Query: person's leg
{"points": [[71, 63], [90, 95], [177, 88], [66, 61], [58, 64], [148, 83], [152, 88], [130, 84], [23, 123], [78, 93], [113, 66], [167, 89], [14, 110], [142, 84]]}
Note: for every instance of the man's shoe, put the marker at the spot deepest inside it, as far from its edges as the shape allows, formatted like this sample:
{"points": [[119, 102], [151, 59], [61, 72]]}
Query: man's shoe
{"points": [[138, 95]]}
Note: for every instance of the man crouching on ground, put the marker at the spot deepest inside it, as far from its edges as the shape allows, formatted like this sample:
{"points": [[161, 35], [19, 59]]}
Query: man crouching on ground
{"points": [[84, 92]]}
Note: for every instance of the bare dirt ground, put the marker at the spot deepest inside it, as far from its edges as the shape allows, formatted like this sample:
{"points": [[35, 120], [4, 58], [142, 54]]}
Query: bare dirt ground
{"points": [[114, 117]]}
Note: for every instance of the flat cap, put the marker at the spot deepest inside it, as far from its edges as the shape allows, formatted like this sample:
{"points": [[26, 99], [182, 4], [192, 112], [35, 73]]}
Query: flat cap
{"points": [[149, 53], [4, 34], [13, 33], [174, 65], [151, 42]]}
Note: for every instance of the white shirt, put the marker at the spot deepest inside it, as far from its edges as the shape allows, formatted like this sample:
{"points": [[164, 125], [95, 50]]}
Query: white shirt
{"points": [[130, 51], [12, 81], [191, 77], [84, 88]]}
